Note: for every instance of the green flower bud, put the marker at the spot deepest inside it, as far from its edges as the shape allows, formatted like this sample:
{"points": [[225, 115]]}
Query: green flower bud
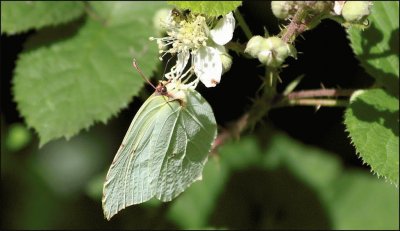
{"points": [[276, 52], [255, 45], [357, 11], [322, 7], [281, 9], [226, 59], [270, 51]]}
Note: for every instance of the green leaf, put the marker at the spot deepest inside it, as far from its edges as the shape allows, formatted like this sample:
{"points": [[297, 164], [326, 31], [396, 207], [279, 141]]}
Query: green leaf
{"points": [[210, 8], [163, 151], [17, 17], [373, 123], [309, 164], [353, 199], [377, 47], [69, 82], [361, 202]]}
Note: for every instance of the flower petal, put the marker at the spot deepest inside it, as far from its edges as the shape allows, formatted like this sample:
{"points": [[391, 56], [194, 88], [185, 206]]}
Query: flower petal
{"points": [[208, 66], [222, 32]]}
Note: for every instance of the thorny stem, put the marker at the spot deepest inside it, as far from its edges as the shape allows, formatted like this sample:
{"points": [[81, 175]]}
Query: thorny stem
{"points": [[315, 98], [316, 102], [299, 98], [242, 23], [269, 98], [321, 93], [295, 27]]}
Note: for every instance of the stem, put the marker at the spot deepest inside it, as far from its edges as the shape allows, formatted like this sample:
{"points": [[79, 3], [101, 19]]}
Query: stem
{"points": [[263, 105], [320, 93], [314, 102], [269, 98], [295, 27], [242, 23]]}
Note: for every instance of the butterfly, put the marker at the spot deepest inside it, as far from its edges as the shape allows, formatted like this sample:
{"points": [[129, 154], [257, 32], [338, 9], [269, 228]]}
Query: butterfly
{"points": [[163, 151]]}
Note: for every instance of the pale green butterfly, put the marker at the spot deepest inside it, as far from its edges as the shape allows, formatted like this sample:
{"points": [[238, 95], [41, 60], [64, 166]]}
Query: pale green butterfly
{"points": [[164, 149]]}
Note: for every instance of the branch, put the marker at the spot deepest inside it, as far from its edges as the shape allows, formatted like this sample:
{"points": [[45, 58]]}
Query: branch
{"points": [[320, 93], [295, 27], [299, 98]]}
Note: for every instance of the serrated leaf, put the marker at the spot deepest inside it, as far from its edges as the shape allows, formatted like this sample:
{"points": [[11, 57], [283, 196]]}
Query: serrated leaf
{"points": [[372, 120], [377, 47], [20, 16], [210, 8], [68, 84]]}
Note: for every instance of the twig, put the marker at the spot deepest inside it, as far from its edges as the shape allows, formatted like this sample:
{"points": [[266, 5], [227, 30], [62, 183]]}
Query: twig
{"points": [[317, 102], [295, 27], [320, 93]]}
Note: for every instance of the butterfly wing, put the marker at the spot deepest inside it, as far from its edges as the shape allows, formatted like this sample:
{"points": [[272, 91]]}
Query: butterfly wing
{"points": [[190, 137], [163, 152], [129, 179]]}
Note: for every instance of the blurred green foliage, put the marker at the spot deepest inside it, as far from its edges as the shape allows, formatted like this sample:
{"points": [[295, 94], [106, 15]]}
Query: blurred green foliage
{"points": [[278, 185]]}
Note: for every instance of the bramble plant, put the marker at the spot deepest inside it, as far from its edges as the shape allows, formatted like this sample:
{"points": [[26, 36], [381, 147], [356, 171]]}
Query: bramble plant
{"points": [[169, 140]]}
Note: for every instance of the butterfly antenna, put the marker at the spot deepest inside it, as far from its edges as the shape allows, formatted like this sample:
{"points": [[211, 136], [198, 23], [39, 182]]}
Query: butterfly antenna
{"points": [[141, 73]]}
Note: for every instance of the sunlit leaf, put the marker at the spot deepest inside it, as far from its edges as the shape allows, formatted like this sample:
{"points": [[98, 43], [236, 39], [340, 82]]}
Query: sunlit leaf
{"points": [[373, 123], [377, 47], [20, 16], [68, 83], [210, 8]]}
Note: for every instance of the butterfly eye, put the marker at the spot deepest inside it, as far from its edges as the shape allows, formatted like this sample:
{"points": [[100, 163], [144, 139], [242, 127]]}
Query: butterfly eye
{"points": [[163, 90]]}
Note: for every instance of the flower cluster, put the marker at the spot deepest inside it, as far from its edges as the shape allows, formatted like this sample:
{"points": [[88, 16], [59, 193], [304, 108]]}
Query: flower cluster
{"points": [[190, 37]]}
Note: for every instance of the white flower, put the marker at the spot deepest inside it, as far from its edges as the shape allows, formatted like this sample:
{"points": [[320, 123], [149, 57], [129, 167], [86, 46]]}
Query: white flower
{"points": [[191, 38]]}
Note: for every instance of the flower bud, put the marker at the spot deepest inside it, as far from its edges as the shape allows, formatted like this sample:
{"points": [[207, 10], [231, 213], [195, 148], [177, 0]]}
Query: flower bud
{"points": [[226, 59], [276, 52], [226, 62], [357, 11], [255, 45], [270, 51], [281, 9]]}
